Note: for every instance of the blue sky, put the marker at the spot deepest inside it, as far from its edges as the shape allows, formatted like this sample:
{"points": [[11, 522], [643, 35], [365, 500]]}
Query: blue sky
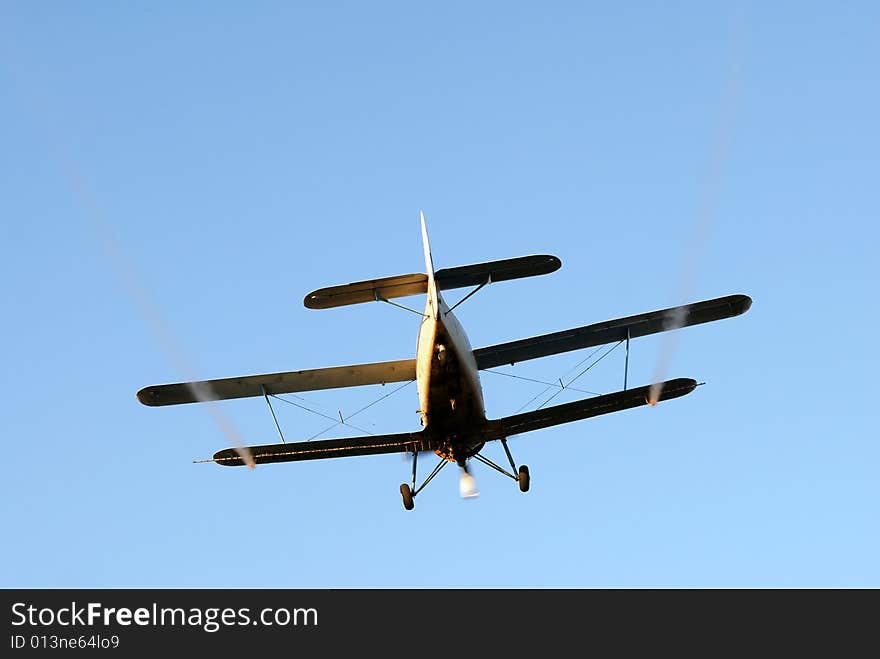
{"points": [[235, 158]]}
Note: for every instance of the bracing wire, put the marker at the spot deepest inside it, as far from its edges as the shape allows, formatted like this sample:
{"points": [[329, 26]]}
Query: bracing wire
{"points": [[343, 419], [321, 414], [603, 356], [562, 386], [549, 384], [363, 409]]}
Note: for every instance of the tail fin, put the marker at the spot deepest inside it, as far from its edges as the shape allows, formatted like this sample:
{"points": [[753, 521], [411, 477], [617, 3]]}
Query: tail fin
{"points": [[433, 295]]}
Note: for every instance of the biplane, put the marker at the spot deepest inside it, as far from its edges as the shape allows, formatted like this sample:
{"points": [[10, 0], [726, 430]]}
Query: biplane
{"points": [[447, 374]]}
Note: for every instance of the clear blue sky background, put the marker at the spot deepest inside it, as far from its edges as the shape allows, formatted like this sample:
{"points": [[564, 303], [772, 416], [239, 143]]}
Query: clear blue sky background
{"points": [[239, 157]]}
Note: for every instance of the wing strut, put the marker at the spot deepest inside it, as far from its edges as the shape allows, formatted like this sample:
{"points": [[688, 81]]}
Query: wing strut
{"points": [[272, 412]]}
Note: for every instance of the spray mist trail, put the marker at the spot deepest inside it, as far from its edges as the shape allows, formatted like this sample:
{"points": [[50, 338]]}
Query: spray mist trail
{"points": [[707, 208], [124, 267], [37, 104], [671, 324]]}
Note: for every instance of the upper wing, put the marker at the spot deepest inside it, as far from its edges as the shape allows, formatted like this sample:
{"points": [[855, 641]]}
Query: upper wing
{"points": [[584, 409], [612, 330], [279, 383], [387, 288], [329, 448]]}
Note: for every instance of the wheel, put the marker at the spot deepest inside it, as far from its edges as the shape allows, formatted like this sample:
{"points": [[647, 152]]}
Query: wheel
{"points": [[407, 495], [524, 478]]}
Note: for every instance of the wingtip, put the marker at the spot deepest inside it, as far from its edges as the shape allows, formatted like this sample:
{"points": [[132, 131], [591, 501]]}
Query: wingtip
{"points": [[312, 300], [676, 388], [742, 303], [230, 457], [147, 396]]}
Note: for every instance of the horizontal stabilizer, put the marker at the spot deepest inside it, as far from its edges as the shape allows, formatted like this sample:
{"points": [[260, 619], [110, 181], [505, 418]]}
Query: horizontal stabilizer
{"points": [[279, 383], [388, 288], [330, 448], [504, 270], [584, 409], [367, 291], [612, 330]]}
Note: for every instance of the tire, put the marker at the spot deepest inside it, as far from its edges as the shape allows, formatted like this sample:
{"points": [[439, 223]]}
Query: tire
{"points": [[407, 495], [524, 479]]}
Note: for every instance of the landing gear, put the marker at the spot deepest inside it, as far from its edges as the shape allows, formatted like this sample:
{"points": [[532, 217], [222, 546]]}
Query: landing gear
{"points": [[409, 492], [524, 478], [522, 474], [467, 486], [407, 495]]}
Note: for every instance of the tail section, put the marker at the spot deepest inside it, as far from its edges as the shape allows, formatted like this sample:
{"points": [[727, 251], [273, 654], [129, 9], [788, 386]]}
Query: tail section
{"points": [[416, 283], [433, 296]]}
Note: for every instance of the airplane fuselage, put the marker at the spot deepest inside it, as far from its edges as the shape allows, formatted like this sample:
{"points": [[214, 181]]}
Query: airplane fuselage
{"points": [[450, 394]]}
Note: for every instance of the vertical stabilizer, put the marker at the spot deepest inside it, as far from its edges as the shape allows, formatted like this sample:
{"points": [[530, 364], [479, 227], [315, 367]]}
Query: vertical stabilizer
{"points": [[433, 298]]}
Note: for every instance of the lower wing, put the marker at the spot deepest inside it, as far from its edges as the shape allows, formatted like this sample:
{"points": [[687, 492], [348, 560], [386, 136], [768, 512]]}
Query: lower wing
{"points": [[329, 448], [584, 409], [422, 441]]}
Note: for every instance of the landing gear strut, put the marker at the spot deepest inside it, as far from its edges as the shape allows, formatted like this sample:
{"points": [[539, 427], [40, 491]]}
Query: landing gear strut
{"points": [[408, 492], [522, 476]]}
